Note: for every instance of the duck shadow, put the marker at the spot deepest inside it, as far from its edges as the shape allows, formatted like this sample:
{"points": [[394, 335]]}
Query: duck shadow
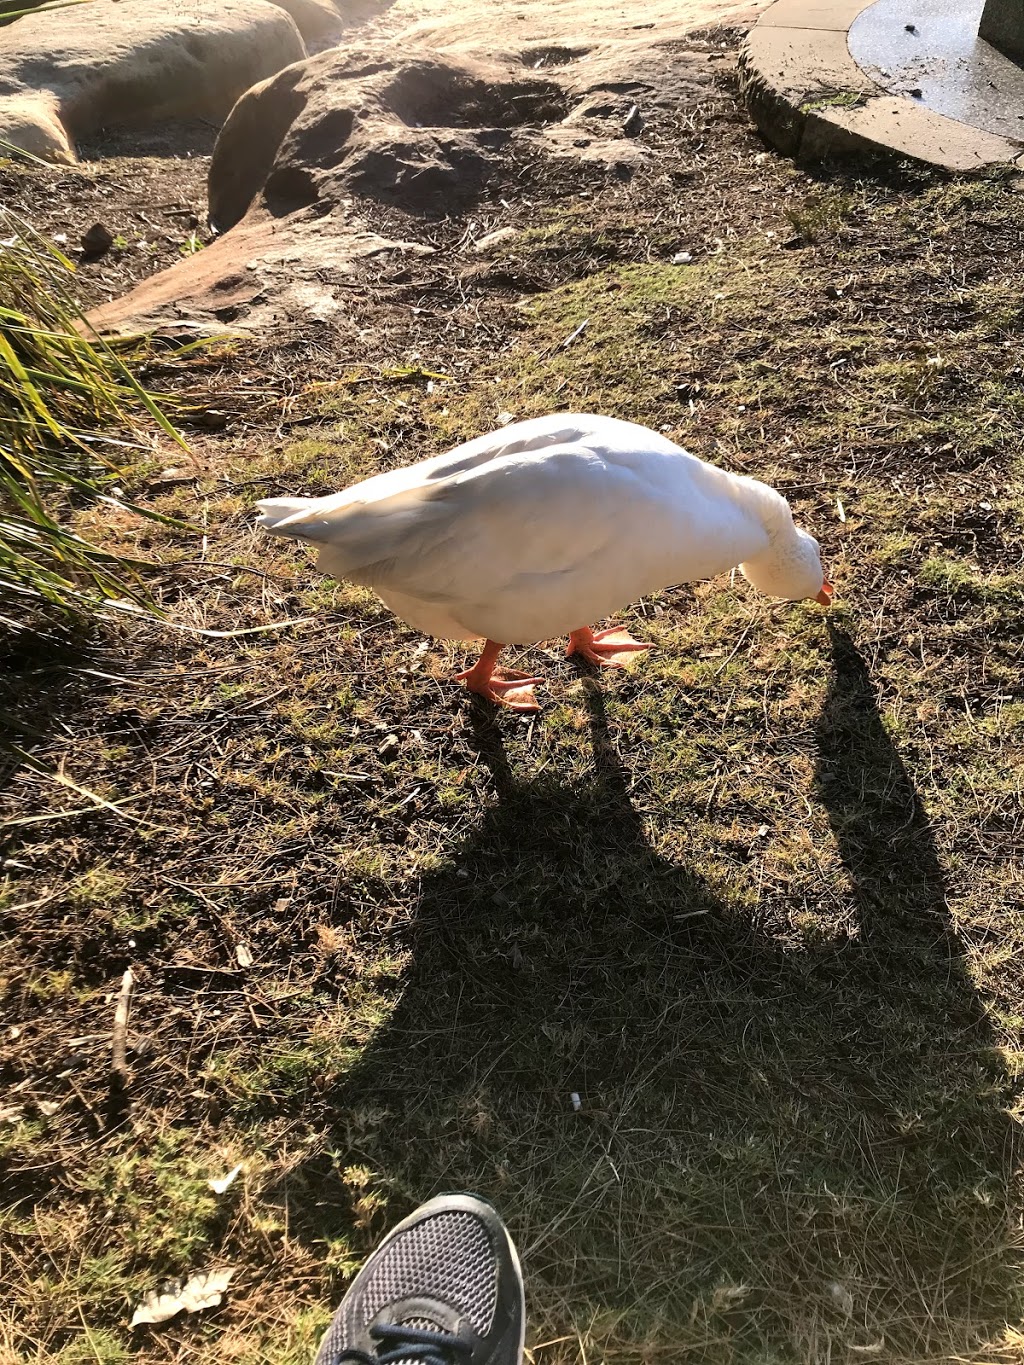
{"points": [[701, 1128]]}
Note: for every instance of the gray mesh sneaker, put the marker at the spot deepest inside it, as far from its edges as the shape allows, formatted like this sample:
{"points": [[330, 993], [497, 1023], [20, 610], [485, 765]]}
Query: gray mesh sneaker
{"points": [[443, 1288]]}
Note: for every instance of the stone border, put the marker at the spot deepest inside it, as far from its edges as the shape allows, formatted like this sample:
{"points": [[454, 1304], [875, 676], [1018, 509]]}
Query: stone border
{"points": [[811, 100]]}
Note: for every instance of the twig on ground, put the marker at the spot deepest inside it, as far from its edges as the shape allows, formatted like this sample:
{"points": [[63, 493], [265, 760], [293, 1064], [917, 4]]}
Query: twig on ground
{"points": [[119, 1075]]}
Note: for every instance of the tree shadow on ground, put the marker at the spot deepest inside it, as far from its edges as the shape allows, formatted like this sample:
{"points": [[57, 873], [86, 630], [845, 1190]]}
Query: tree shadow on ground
{"points": [[798, 1145]]}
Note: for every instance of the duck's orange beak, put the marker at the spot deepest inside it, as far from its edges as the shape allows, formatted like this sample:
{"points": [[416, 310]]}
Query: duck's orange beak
{"points": [[825, 596]]}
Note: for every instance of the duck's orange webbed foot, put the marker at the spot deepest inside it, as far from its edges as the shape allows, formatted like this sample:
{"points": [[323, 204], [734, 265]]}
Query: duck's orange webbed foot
{"points": [[609, 648], [506, 688], [511, 689]]}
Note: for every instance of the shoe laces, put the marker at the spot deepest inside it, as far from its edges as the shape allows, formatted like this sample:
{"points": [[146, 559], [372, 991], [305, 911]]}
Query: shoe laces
{"points": [[409, 1346]]}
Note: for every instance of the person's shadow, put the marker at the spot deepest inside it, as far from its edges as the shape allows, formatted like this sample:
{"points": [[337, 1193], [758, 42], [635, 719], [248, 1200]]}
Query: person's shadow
{"points": [[707, 1129]]}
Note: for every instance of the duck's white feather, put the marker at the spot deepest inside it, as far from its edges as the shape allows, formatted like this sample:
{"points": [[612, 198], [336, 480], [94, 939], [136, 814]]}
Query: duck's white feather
{"points": [[535, 530]]}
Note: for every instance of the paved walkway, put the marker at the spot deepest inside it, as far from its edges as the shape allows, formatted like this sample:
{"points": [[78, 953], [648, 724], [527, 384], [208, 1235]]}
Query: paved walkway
{"points": [[900, 78], [929, 50]]}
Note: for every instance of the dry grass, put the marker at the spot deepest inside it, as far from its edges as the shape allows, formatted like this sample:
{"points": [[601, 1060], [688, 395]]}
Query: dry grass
{"points": [[757, 901]]}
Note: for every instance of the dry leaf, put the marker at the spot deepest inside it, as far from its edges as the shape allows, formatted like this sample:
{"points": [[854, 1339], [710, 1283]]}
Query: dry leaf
{"points": [[416, 658], [243, 955], [389, 747], [226, 1181], [328, 940], [11, 1113], [202, 1291]]}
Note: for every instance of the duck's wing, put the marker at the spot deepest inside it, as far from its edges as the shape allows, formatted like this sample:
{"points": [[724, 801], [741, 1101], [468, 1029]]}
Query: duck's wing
{"points": [[315, 519], [479, 525], [509, 526]]}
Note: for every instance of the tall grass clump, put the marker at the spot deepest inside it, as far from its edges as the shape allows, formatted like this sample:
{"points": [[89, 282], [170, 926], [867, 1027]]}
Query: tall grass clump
{"points": [[73, 420]]}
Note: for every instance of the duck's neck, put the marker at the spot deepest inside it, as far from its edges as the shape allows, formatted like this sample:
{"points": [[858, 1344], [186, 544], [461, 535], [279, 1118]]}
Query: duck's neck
{"points": [[768, 567], [768, 510]]}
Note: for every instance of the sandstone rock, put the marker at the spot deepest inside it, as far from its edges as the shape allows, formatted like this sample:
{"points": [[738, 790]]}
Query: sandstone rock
{"points": [[249, 142], [441, 103], [265, 273], [67, 73], [321, 21], [619, 156], [31, 121], [535, 28], [409, 128]]}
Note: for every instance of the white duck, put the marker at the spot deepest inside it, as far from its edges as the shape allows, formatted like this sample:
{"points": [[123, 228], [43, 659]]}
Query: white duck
{"points": [[533, 530]]}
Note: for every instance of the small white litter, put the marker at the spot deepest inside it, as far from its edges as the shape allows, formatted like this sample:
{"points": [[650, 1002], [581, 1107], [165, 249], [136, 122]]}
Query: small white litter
{"points": [[201, 1291]]}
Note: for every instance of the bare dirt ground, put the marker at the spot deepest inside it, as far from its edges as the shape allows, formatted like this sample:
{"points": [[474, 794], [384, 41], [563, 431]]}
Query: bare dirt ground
{"points": [[147, 189], [756, 901]]}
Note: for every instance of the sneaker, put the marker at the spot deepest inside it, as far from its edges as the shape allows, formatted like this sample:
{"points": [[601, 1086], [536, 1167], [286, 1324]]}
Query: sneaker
{"points": [[443, 1288]]}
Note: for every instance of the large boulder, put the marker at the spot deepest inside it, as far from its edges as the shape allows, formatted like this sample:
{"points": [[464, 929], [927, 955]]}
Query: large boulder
{"points": [[410, 128], [64, 74]]}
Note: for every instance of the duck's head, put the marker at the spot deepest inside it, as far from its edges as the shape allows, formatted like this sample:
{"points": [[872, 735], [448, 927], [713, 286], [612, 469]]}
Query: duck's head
{"points": [[790, 567]]}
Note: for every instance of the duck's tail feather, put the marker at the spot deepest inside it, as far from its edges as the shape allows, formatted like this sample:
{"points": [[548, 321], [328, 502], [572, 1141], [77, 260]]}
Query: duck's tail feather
{"points": [[274, 511]]}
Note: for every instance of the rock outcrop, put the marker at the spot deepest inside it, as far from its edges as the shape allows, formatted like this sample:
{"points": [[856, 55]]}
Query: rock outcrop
{"points": [[321, 21], [434, 110], [65, 74], [409, 130]]}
